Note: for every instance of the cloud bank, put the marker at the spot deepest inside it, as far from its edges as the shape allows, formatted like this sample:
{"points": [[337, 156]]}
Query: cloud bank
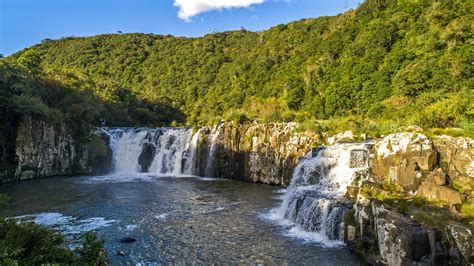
{"points": [[190, 8]]}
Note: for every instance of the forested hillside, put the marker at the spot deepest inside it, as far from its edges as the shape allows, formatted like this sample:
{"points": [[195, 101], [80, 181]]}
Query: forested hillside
{"points": [[394, 61]]}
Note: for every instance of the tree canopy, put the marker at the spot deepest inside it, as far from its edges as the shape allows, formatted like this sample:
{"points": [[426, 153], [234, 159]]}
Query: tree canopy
{"points": [[396, 60]]}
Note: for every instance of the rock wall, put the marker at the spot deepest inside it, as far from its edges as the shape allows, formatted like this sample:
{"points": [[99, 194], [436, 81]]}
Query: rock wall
{"points": [[384, 236], [263, 153], [439, 170], [44, 149]]}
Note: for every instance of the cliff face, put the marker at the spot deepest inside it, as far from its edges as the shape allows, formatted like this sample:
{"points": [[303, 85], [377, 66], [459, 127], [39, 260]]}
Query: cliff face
{"points": [[263, 153], [44, 149], [391, 227]]}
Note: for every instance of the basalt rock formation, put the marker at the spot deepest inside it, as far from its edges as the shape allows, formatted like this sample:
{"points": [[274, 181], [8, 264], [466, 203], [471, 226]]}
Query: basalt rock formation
{"points": [[44, 149], [438, 171], [264, 153]]}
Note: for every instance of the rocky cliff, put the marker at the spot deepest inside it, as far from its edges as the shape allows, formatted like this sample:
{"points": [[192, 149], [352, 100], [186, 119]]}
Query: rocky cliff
{"points": [[411, 206], [263, 153], [45, 149]]}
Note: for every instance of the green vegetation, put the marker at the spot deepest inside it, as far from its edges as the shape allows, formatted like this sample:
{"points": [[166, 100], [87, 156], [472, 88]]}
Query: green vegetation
{"points": [[385, 65], [31, 244], [431, 213], [393, 61], [406, 62]]}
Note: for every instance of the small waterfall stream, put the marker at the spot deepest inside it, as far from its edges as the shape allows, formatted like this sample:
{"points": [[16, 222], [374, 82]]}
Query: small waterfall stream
{"points": [[314, 204], [212, 151]]}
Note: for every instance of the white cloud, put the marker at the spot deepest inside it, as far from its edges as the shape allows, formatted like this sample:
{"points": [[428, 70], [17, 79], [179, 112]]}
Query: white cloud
{"points": [[190, 8]]}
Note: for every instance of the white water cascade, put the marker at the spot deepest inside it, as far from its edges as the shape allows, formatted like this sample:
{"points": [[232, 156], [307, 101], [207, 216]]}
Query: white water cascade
{"points": [[170, 150], [212, 151], [314, 203], [126, 145]]}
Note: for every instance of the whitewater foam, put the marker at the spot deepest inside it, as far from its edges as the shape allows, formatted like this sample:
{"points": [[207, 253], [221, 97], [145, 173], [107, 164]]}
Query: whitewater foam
{"points": [[66, 224], [313, 206]]}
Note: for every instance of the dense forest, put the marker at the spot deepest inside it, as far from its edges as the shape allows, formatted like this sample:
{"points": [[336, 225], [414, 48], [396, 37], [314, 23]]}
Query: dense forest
{"points": [[393, 62]]}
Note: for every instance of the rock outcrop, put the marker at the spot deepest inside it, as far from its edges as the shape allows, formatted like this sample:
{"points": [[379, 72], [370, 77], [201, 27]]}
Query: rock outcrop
{"points": [[439, 170], [456, 158], [44, 149], [403, 157], [384, 236], [264, 153]]}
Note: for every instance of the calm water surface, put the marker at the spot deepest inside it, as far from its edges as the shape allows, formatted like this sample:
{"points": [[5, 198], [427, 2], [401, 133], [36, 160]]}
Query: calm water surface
{"points": [[174, 219]]}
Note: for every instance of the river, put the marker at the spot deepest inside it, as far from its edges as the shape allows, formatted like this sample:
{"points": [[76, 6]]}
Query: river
{"points": [[173, 219]]}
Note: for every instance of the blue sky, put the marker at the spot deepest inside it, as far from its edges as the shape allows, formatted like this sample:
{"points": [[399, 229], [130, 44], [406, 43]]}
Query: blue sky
{"points": [[27, 22]]}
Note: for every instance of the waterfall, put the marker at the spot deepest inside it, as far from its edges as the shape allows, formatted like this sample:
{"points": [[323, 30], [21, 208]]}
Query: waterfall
{"points": [[212, 151], [191, 163], [161, 151], [126, 145], [314, 203]]}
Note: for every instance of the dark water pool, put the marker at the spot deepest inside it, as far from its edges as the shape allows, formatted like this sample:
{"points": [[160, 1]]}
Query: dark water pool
{"points": [[174, 219]]}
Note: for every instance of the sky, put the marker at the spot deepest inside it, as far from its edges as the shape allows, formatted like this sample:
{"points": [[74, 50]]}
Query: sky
{"points": [[26, 22]]}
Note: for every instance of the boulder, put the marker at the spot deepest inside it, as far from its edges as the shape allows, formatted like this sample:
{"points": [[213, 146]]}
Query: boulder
{"points": [[402, 157], [463, 239], [437, 177], [404, 242], [127, 239], [436, 192], [457, 160], [341, 137]]}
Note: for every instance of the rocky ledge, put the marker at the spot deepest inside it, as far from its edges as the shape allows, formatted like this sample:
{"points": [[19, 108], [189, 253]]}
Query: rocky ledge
{"points": [[45, 149], [410, 209], [263, 153]]}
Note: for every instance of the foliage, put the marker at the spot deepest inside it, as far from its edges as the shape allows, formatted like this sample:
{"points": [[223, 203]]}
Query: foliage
{"points": [[27, 243], [92, 251], [391, 62]]}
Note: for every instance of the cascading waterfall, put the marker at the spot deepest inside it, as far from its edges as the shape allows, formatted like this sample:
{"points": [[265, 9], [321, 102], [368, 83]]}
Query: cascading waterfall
{"points": [[314, 203], [126, 145], [191, 165], [169, 150], [212, 151], [170, 153]]}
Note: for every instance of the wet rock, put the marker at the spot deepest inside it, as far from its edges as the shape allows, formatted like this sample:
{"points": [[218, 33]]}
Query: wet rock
{"points": [[263, 153], [102, 164], [127, 239], [358, 159], [146, 157], [27, 174], [121, 253], [404, 242], [352, 191], [351, 233]]}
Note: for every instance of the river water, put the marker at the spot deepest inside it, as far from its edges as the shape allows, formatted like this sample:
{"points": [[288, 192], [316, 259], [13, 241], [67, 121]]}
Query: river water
{"points": [[174, 219]]}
